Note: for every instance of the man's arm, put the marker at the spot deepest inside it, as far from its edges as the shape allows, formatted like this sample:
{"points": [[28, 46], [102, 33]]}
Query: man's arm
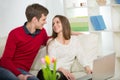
{"points": [[8, 55]]}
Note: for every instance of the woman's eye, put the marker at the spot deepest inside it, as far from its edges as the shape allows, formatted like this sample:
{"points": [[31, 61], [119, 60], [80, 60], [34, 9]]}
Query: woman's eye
{"points": [[57, 22]]}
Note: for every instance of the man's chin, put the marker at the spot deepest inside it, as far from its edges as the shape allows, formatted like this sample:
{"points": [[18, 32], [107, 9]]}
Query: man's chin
{"points": [[41, 28]]}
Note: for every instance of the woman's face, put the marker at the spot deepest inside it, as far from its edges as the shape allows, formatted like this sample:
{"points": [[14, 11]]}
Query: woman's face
{"points": [[57, 26]]}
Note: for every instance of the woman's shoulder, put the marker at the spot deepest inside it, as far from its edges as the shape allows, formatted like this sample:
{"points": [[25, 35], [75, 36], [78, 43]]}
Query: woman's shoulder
{"points": [[74, 37], [50, 41], [75, 40]]}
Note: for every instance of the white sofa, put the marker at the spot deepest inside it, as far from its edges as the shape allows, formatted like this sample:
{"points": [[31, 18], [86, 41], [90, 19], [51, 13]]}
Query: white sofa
{"points": [[89, 43]]}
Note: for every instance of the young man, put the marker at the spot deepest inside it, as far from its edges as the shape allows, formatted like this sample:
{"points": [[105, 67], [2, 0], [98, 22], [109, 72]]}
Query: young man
{"points": [[23, 44]]}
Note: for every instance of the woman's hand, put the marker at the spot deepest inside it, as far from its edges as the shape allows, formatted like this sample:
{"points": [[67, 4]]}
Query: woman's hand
{"points": [[23, 77], [68, 75], [88, 70]]}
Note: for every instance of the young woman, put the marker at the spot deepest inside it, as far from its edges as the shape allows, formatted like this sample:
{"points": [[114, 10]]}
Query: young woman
{"points": [[64, 47]]}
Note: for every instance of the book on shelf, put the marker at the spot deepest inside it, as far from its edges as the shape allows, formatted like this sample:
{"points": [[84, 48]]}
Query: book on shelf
{"points": [[98, 22], [79, 23]]}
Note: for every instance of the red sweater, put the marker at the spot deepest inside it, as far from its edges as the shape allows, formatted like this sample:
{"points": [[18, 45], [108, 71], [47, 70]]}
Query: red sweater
{"points": [[21, 49]]}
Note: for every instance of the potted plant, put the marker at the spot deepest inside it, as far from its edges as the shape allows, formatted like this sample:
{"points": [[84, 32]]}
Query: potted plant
{"points": [[49, 72]]}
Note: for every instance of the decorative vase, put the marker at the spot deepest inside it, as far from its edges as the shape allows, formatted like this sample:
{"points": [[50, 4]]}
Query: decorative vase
{"points": [[101, 2]]}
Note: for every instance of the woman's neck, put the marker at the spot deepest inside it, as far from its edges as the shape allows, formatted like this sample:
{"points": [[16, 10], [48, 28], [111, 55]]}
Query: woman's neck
{"points": [[62, 40]]}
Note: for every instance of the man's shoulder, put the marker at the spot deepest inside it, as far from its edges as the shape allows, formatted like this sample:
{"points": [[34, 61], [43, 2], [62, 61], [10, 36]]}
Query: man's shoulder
{"points": [[43, 29], [17, 29]]}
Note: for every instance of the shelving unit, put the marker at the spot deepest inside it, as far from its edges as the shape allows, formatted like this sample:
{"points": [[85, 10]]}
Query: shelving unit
{"points": [[81, 10], [115, 17]]}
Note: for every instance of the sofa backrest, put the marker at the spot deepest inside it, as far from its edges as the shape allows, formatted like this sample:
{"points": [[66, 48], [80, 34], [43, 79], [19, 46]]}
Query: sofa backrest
{"points": [[90, 44], [2, 44]]}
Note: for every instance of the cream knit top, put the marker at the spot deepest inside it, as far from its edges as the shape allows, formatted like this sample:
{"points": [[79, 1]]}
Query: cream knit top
{"points": [[65, 54]]}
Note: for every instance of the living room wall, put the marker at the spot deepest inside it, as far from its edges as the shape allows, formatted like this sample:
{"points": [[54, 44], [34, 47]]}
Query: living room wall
{"points": [[12, 13]]}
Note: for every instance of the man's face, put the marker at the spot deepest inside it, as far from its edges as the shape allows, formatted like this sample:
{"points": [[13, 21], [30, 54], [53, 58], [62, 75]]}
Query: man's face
{"points": [[40, 23]]}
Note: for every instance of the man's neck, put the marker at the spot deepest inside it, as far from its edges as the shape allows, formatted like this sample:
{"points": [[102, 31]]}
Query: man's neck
{"points": [[30, 27]]}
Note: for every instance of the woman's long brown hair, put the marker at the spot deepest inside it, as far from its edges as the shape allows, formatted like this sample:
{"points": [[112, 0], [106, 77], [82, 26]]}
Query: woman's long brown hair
{"points": [[65, 25]]}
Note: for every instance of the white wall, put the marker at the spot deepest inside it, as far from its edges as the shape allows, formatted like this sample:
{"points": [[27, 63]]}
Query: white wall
{"points": [[55, 7], [12, 13]]}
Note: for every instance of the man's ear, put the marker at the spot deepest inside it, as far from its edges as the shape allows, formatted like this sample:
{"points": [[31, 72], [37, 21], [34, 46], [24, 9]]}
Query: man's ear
{"points": [[34, 19]]}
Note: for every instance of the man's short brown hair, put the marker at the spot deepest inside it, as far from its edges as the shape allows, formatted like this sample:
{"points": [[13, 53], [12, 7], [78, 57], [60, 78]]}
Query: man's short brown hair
{"points": [[35, 10]]}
